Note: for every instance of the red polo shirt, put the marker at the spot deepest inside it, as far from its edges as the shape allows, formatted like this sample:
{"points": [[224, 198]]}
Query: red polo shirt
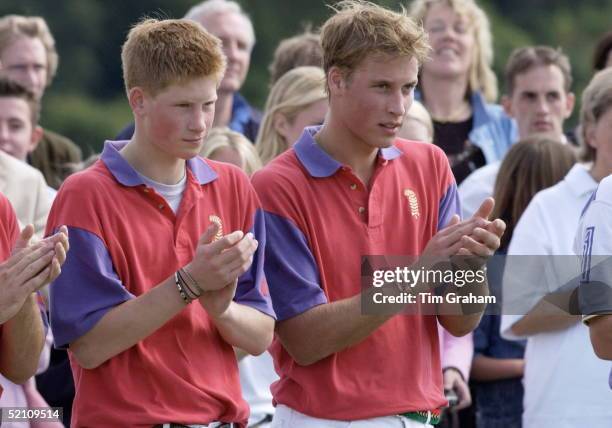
{"points": [[125, 240], [9, 228], [9, 232], [320, 221]]}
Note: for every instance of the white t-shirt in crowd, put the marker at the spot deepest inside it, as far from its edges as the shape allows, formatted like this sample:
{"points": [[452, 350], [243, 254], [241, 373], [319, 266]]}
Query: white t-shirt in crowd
{"points": [[565, 382]]}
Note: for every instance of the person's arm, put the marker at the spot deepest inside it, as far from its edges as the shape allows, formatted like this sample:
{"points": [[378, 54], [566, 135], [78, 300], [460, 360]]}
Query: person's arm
{"points": [[545, 317], [127, 324], [526, 280], [21, 342], [476, 246], [215, 265], [486, 369], [241, 326], [456, 352], [600, 328], [308, 337], [26, 271]]}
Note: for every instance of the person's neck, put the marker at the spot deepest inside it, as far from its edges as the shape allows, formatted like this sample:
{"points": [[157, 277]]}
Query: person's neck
{"points": [[223, 109], [153, 163], [344, 147], [600, 170], [445, 98]]}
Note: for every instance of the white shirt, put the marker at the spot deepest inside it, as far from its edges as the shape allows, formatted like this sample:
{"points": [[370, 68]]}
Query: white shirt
{"points": [[172, 193], [476, 187], [594, 244], [256, 375], [565, 382]]}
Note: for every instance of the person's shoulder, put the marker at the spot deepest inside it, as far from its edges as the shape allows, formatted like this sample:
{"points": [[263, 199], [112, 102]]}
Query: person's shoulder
{"points": [[495, 113], [486, 172], [61, 143], [421, 155], [549, 198], [604, 190], [284, 169], [18, 170], [414, 148], [225, 172], [93, 180]]}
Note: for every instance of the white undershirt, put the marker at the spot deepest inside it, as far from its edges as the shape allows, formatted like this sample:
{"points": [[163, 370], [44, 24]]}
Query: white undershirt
{"points": [[172, 193]]}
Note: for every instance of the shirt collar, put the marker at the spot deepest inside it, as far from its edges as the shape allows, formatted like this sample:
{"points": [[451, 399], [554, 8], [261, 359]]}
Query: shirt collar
{"points": [[580, 180], [126, 175], [316, 160]]}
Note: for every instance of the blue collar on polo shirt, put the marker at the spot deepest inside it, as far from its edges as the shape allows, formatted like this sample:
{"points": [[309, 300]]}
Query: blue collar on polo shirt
{"points": [[316, 160], [126, 175]]}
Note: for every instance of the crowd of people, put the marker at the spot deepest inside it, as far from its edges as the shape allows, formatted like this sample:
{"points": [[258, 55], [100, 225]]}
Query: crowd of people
{"points": [[207, 268]]}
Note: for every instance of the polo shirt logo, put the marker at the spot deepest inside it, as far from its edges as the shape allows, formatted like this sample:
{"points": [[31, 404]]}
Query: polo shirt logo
{"points": [[215, 219], [413, 202]]}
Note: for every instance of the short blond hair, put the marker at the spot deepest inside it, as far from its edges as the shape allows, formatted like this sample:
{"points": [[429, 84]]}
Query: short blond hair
{"points": [[359, 28], [158, 53], [219, 138], [292, 93], [13, 27], [481, 75], [596, 101]]}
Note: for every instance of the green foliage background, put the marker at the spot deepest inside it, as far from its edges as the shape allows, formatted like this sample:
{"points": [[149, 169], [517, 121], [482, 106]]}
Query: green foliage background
{"points": [[86, 101]]}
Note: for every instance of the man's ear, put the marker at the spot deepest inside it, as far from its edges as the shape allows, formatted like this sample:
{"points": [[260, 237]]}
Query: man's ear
{"points": [[589, 135], [137, 98], [506, 103], [336, 80], [37, 134]]}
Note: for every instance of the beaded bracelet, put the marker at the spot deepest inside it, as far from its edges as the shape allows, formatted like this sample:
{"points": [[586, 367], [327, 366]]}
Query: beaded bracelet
{"points": [[186, 287], [194, 283], [181, 290]]}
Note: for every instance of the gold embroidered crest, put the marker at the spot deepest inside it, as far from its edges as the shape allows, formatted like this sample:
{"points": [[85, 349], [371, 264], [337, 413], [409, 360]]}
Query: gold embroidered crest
{"points": [[216, 220], [413, 202]]}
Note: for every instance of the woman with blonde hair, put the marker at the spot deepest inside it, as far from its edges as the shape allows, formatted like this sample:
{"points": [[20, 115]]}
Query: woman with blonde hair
{"points": [[296, 100], [457, 85], [225, 145]]}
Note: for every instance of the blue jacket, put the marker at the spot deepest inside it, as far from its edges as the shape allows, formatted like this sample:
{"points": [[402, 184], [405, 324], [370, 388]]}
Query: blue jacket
{"points": [[493, 131]]}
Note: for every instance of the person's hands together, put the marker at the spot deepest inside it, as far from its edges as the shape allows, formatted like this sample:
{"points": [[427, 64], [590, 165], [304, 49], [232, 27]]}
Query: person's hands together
{"points": [[217, 302], [219, 263], [29, 268], [485, 238]]}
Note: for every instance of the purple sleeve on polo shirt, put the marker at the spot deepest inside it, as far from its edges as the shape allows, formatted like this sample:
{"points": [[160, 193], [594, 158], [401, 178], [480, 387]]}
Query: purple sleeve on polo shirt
{"points": [[250, 289], [449, 206], [291, 270], [87, 288]]}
